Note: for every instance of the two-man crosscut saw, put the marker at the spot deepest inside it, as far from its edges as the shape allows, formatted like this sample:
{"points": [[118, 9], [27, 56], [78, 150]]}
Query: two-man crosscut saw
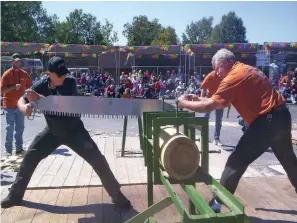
{"points": [[96, 107]]}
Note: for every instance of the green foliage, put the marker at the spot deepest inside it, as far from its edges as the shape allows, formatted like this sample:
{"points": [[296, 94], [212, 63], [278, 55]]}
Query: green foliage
{"points": [[229, 30], [142, 32], [198, 32], [28, 22], [25, 21], [167, 36]]}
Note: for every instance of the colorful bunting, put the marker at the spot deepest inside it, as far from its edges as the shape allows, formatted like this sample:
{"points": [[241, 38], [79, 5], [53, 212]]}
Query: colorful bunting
{"points": [[24, 53], [158, 56], [268, 46], [209, 55], [279, 45], [144, 48], [112, 50], [93, 55], [174, 56], [24, 44], [243, 46], [77, 46], [128, 57]]}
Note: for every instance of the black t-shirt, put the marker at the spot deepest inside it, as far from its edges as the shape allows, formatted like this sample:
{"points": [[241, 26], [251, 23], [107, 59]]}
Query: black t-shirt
{"points": [[59, 125]]}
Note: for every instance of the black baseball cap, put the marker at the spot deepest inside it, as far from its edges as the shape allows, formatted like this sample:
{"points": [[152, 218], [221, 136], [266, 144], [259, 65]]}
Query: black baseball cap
{"points": [[57, 66]]}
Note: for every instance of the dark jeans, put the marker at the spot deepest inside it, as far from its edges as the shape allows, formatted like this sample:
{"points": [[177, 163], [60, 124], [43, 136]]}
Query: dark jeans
{"points": [[81, 142], [269, 130]]}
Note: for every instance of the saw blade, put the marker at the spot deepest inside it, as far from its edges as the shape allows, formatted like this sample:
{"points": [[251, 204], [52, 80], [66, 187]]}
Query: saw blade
{"points": [[95, 107]]}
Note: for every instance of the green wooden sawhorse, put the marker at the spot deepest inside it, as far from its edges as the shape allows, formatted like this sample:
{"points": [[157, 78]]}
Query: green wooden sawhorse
{"points": [[140, 130]]}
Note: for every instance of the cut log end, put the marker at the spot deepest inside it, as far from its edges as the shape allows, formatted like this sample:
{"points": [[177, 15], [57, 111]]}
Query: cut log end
{"points": [[180, 157]]}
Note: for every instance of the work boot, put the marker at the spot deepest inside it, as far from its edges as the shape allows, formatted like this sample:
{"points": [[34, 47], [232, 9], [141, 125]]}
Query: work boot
{"points": [[20, 152], [11, 201], [121, 202]]}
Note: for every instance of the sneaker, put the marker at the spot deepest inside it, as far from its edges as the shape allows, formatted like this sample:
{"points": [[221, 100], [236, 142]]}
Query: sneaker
{"points": [[121, 202], [218, 142], [215, 205], [20, 152], [10, 201]]}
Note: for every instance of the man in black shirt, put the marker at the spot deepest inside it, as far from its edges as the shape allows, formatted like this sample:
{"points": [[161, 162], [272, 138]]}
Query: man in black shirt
{"points": [[60, 130]]}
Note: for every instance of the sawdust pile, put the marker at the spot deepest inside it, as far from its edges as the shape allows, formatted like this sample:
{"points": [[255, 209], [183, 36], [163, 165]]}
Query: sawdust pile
{"points": [[11, 163]]}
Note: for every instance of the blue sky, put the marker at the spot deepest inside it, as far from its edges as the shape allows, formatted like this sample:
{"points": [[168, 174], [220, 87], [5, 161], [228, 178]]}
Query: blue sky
{"points": [[264, 21]]}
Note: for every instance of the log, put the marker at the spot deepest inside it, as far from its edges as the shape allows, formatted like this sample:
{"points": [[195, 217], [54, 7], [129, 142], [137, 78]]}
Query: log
{"points": [[180, 155]]}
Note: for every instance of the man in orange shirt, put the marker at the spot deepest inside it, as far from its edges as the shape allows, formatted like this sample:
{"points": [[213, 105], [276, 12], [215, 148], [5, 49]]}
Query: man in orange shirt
{"points": [[209, 86], [263, 110], [14, 82]]}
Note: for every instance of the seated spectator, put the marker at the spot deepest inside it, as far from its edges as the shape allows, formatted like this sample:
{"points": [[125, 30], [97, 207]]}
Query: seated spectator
{"points": [[163, 87], [120, 90], [128, 84], [109, 81], [126, 94], [122, 78], [140, 74], [147, 76], [83, 79], [110, 91], [156, 86], [286, 80], [105, 77]]}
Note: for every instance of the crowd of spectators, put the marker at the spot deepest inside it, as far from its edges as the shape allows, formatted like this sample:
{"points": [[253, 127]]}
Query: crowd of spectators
{"points": [[137, 84]]}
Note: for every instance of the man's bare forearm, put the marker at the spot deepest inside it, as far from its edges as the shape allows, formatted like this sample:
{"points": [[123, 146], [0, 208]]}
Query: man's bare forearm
{"points": [[197, 106], [203, 98], [8, 89], [21, 104]]}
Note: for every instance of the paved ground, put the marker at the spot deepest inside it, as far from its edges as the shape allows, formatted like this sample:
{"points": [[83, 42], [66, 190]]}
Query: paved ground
{"points": [[230, 134]]}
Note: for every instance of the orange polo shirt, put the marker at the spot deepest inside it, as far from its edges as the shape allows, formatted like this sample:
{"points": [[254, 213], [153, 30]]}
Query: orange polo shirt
{"points": [[211, 83], [12, 77], [249, 91]]}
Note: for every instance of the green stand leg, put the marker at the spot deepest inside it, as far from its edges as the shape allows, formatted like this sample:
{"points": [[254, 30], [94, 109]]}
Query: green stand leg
{"points": [[154, 209], [190, 132], [124, 136], [140, 132]]}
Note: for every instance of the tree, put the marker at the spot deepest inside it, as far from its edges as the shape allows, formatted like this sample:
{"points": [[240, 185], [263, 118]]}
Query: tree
{"points": [[48, 29], [83, 28], [229, 30], [198, 32], [109, 36], [142, 32], [25, 21], [167, 36], [28, 22], [215, 36]]}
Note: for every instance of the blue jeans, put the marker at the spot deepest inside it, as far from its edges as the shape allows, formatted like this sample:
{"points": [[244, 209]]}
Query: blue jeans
{"points": [[15, 121], [242, 123], [218, 125]]}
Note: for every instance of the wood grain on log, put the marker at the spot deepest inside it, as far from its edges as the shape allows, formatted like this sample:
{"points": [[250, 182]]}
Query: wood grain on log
{"points": [[179, 154]]}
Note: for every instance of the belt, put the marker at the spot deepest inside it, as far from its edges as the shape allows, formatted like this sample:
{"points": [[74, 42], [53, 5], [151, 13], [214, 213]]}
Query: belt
{"points": [[279, 108]]}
